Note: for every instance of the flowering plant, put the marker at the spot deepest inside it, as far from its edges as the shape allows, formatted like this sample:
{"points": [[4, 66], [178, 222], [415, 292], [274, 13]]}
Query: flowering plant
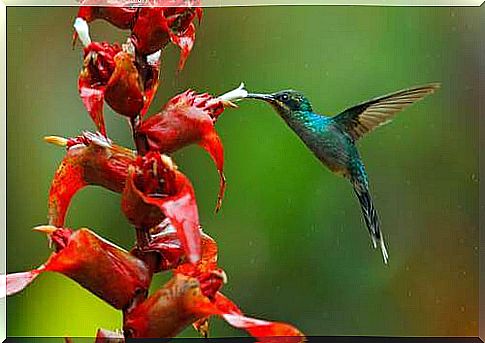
{"points": [[156, 197]]}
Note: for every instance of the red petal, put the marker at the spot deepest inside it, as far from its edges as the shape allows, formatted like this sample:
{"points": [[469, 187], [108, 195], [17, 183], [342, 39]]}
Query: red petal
{"points": [[170, 249], [124, 89], [185, 41], [208, 260], [101, 267], [151, 86], [171, 252], [14, 283], [98, 265], [121, 17], [150, 32], [98, 67], [186, 119], [177, 125], [68, 180], [93, 99], [176, 202], [263, 330], [167, 311], [199, 13], [182, 212], [86, 163], [225, 305], [211, 142]]}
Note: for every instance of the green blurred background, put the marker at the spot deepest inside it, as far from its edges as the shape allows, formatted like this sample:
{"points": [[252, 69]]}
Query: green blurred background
{"points": [[290, 233]]}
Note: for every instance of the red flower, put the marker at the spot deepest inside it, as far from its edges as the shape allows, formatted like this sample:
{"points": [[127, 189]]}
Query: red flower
{"points": [[156, 26], [98, 67], [181, 302], [90, 160], [101, 267], [166, 243], [187, 118], [112, 74], [151, 186], [152, 26], [192, 296], [156, 190]]}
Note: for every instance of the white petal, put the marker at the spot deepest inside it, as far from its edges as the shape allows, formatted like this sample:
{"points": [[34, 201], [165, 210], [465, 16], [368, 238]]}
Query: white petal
{"points": [[234, 95], [153, 58], [82, 29]]}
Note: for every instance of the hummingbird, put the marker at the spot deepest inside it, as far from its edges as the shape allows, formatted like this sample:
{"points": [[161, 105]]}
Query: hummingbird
{"points": [[332, 139]]}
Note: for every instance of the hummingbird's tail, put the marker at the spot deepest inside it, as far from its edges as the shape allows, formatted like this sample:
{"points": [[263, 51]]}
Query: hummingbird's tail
{"points": [[371, 218]]}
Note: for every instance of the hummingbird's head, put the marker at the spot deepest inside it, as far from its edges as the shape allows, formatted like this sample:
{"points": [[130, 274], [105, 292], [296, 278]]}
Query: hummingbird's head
{"points": [[285, 101]]}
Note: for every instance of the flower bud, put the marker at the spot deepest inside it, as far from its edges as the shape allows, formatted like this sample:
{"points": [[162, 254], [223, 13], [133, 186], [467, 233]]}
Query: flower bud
{"points": [[186, 119]]}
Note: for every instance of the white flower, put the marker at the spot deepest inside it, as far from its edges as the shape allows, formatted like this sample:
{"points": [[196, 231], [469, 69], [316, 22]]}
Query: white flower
{"points": [[234, 95]]}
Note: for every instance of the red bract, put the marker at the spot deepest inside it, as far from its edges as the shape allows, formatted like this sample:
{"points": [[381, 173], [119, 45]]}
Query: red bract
{"points": [[111, 74], [205, 300], [97, 69], [186, 119], [181, 302], [156, 190], [156, 26], [167, 244], [171, 256], [124, 90], [153, 189], [104, 269], [263, 330], [119, 16], [90, 160]]}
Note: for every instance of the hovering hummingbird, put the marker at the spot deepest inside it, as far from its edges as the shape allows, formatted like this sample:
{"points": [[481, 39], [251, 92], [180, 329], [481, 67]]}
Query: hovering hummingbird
{"points": [[332, 139]]}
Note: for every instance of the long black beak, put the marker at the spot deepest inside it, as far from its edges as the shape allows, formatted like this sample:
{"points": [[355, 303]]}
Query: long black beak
{"points": [[259, 96]]}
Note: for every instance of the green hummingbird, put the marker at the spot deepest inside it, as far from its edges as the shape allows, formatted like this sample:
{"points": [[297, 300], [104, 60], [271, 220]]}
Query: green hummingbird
{"points": [[332, 138]]}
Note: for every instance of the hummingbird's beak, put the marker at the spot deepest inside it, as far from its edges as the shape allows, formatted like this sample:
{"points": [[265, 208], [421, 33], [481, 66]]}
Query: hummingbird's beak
{"points": [[265, 97]]}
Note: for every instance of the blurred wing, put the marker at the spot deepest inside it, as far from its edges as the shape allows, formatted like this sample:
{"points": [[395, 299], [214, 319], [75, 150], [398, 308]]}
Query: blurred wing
{"points": [[365, 117]]}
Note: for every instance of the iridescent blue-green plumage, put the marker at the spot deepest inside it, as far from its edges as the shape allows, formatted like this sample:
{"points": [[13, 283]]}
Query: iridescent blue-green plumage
{"points": [[332, 139]]}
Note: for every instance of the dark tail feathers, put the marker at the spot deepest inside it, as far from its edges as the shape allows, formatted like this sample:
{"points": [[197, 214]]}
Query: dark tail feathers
{"points": [[371, 218]]}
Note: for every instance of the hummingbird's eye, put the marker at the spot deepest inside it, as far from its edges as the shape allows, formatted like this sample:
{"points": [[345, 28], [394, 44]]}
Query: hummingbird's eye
{"points": [[284, 97]]}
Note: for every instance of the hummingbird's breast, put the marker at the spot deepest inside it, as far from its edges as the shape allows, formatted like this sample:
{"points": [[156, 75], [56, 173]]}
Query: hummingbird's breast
{"points": [[328, 143]]}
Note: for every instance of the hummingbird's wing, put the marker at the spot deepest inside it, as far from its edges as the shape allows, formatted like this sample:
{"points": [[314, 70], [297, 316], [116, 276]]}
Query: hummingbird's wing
{"points": [[365, 117]]}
